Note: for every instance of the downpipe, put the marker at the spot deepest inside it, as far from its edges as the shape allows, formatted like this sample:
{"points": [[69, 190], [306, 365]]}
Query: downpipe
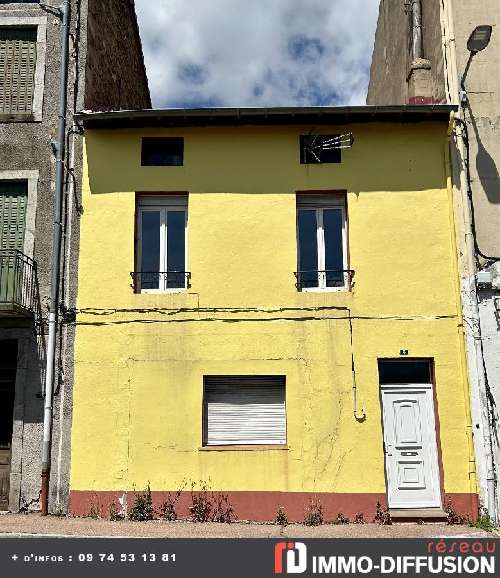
{"points": [[417, 40], [60, 150]]}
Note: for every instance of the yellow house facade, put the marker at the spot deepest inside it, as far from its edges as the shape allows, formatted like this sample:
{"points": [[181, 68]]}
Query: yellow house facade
{"points": [[270, 315]]}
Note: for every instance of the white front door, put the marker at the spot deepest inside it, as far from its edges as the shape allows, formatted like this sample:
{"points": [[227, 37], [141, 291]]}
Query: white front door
{"points": [[411, 458]]}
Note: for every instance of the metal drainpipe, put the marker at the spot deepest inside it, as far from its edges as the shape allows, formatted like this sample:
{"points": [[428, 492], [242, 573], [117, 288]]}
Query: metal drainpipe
{"points": [[417, 41], [60, 148]]}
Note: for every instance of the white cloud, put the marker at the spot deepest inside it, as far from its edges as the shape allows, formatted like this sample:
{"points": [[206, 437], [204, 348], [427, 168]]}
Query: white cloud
{"points": [[257, 52]]}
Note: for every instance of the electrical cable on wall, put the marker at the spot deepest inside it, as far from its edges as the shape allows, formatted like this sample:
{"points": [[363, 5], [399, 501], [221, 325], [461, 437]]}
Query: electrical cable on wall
{"points": [[466, 140], [491, 408]]}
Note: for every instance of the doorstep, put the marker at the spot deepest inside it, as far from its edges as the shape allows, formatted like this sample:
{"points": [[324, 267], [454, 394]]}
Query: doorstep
{"points": [[418, 513]]}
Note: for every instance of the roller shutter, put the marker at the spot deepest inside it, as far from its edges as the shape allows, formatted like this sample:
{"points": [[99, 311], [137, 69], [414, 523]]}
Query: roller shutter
{"points": [[245, 410]]}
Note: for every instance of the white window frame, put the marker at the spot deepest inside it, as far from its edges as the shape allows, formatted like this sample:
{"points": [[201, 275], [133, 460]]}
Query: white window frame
{"points": [[163, 205], [40, 23], [320, 203]]}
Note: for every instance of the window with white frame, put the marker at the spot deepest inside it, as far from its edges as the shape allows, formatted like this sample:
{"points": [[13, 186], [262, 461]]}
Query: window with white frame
{"points": [[161, 243], [322, 242], [244, 410]]}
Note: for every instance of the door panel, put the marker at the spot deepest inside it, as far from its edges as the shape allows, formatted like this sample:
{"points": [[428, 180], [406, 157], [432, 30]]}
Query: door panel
{"points": [[8, 364], [411, 459]]}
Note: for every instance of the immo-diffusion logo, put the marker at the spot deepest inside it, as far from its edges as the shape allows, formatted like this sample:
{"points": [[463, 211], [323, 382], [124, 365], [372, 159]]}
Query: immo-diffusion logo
{"points": [[464, 557], [290, 558]]}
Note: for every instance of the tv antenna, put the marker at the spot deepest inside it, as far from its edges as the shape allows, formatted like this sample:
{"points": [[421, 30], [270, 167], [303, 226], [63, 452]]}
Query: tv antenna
{"points": [[318, 143]]}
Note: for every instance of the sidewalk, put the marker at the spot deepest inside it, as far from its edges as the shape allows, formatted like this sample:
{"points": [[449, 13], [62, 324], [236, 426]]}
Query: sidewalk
{"points": [[19, 525]]}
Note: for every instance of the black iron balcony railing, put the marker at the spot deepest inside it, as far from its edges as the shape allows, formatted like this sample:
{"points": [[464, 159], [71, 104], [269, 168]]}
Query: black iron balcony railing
{"points": [[18, 283], [160, 280], [332, 278]]}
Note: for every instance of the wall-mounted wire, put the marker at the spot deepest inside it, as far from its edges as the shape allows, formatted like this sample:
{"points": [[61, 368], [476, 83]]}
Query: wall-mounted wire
{"points": [[470, 195]]}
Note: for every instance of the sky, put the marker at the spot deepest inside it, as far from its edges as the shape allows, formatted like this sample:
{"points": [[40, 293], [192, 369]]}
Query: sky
{"points": [[208, 53]]}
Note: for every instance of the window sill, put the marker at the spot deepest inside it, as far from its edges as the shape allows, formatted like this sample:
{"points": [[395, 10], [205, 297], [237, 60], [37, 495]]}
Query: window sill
{"points": [[325, 290], [160, 291], [236, 448]]}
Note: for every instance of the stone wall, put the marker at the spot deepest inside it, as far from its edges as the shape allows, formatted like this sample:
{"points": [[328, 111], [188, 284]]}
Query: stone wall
{"points": [[482, 116], [106, 71], [115, 74], [392, 80]]}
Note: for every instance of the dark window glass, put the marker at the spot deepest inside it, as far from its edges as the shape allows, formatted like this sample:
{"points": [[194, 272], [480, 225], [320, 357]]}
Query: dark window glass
{"points": [[334, 252], [308, 248], [312, 150], [162, 152], [176, 249], [395, 372], [150, 250]]}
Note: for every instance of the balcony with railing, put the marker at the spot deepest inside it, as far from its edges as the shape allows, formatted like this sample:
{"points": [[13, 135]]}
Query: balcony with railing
{"points": [[18, 284], [332, 279], [160, 281]]}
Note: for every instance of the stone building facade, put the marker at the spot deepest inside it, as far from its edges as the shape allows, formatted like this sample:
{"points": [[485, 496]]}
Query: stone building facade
{"points": [[106, 71], [420, 55]]}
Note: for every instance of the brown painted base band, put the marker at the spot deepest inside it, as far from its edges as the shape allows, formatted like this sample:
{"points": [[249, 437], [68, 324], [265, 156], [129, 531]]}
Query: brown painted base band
{"points": [[263, 506]]}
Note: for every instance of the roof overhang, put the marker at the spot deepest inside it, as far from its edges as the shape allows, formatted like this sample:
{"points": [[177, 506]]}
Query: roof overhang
{"points": [[193, 117]]}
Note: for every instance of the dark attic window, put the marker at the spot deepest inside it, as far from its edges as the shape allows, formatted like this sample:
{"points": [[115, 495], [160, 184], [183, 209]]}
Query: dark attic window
{"points": [[314, 149], [162, 152]]}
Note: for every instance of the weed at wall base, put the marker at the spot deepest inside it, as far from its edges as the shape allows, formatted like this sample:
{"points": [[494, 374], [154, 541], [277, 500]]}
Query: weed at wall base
{"points": [[114, 513], [341, 519], [281, 517], [209, 506], [313, 515], [382, 516], [359, 518], [142, 510]]}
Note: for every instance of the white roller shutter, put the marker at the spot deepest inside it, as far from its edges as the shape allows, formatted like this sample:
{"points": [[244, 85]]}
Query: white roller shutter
{"points": [[245, 410]]}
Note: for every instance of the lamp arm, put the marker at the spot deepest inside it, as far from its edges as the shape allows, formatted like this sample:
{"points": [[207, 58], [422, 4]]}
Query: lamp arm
{"points": [[466, 71]]}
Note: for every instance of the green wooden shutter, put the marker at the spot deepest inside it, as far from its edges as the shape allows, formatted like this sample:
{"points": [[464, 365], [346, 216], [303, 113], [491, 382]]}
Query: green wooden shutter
{"points": [[13, 199], [17, 69]]}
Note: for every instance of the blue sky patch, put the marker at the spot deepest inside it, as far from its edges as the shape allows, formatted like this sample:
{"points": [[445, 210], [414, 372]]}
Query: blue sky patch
{"points": [[305, 49]]}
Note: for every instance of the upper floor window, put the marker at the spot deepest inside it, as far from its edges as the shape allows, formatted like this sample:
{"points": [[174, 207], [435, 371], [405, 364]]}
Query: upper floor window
{"points": [[18, 58], [162, 152], [322, 242], [161, 243]]}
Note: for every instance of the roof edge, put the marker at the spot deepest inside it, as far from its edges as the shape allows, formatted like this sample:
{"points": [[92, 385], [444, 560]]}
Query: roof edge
{"points": [[264, 116]]}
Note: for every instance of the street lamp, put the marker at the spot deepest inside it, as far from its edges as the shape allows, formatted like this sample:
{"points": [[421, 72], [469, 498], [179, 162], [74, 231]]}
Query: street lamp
{"points": [[478, 40]]}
